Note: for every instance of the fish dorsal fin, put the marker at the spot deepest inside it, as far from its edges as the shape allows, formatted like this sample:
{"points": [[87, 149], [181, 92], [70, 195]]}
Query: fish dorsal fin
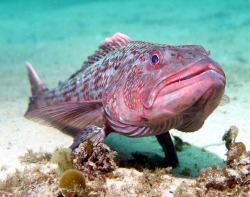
{"points": [[107, 46]]}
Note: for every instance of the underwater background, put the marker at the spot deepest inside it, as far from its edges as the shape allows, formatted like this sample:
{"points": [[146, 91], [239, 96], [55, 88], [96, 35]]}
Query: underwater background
{"points": [[56, 36]]}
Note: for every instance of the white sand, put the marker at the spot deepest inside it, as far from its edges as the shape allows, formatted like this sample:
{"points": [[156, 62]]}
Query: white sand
{"points": [[57, 38]]}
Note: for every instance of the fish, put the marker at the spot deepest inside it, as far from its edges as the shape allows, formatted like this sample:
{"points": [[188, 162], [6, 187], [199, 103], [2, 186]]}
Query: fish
{"points": [[134, 88]]}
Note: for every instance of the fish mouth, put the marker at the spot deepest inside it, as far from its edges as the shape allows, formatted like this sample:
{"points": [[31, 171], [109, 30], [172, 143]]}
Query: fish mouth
{"points": [[198, 68], [182, 78]]}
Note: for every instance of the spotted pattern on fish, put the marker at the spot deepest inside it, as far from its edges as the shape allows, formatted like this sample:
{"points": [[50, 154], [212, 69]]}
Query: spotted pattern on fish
{"points": [[134, 88]]}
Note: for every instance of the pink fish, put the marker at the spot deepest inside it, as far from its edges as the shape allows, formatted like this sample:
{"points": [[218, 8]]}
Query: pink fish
{"points": [[134, 88]]}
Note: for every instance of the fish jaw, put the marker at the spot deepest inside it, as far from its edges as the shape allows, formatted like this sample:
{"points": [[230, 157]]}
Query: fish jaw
{"points": [[198, 87]]}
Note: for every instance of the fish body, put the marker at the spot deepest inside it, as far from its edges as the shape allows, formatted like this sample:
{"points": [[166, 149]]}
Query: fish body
{"points": [[134, 88]]}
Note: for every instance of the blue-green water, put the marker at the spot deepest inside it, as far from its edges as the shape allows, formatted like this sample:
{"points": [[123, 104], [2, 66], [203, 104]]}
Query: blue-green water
{"points": [[56, 36]]}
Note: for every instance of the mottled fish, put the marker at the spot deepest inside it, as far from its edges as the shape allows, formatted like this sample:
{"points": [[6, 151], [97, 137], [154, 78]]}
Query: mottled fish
{"points": [[134, 88]]}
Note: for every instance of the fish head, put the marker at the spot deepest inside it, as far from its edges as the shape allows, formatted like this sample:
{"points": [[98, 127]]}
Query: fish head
{"points": [[187, 82], [161, 81]]}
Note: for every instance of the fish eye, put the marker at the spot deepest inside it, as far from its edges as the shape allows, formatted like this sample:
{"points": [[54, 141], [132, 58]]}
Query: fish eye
{"points": [[155, 59]]}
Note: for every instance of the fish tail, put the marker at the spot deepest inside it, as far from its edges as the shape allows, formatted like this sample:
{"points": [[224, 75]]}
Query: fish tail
{"points": [[37, 87]]}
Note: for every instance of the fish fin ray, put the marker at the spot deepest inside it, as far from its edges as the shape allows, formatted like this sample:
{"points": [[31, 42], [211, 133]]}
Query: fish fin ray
{"points": [[168, 147], [225, 100], [68, 117], [107, 46], [94, 133]]}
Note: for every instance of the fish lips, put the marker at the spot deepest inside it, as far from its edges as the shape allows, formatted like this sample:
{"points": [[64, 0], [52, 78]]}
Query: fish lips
{"points": [[202, 81]]}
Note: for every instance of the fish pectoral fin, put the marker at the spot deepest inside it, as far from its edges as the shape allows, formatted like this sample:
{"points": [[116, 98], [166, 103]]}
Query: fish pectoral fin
{"points": [[168, 147], [225, 100], [94, 133], [68, 117]]}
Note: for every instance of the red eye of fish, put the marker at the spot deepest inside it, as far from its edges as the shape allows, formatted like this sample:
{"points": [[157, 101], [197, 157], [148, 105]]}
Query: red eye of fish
{"points": [[155, 60]]}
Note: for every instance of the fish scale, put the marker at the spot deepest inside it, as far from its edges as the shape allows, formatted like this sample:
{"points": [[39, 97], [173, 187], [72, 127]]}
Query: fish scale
{"points": [[134, 88]]}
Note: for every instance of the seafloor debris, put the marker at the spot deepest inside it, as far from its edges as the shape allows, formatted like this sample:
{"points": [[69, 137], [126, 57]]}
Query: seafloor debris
{"points": [[230, 136], [35, 157], [73, 183], [32, 181], [93, 159], [96, 163], [232, 180]]}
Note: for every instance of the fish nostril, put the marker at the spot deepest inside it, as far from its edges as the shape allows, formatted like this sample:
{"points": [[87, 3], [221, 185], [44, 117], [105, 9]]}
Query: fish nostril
{"points": [[177, 56]]}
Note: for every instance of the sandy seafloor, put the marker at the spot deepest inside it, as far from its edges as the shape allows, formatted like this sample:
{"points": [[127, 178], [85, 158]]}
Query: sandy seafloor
{"points": [[57, 36]]}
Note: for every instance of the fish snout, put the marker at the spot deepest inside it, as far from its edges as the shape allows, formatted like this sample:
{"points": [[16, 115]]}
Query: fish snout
{"points": [[200, 86], [209, 64]]}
